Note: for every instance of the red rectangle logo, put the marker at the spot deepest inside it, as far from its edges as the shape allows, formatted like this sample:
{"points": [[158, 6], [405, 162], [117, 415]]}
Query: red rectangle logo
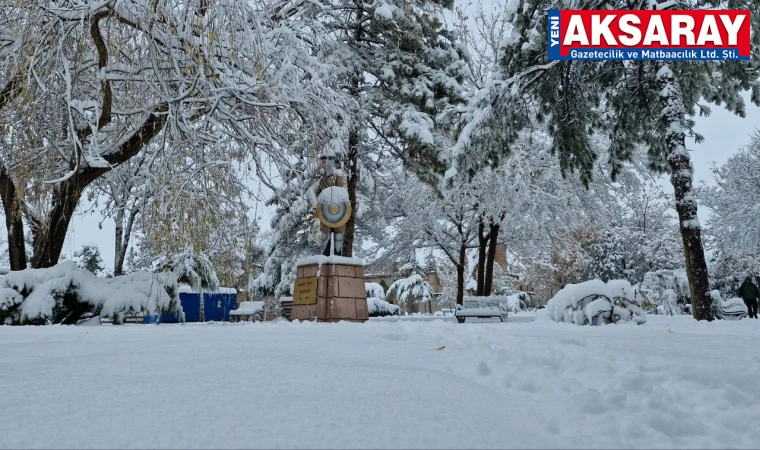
{"points": [[699, 32]]}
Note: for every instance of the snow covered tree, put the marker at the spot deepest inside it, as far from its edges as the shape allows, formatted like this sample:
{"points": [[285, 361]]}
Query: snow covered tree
{"points": [[65, 294], [422, 218], [94, 83], [374, 290], [196, 270], [415, 286], [568, 97], [401, 66], [90, 259], [734, 224]]}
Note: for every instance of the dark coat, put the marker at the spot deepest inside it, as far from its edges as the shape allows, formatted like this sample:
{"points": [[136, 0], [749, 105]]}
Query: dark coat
{"points": [[748, 291]]}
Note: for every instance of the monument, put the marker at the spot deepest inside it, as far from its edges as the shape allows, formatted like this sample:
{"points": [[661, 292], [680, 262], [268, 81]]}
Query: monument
{"points": [[330, 287]]}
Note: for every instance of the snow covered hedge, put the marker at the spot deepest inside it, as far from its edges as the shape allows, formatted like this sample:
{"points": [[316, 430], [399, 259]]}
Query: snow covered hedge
{"points": [[379, 308], [595, 302], [65, 294], [374, 290]]}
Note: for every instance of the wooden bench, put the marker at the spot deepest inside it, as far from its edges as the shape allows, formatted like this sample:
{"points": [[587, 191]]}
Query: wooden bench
{"points": [[482, 308]]}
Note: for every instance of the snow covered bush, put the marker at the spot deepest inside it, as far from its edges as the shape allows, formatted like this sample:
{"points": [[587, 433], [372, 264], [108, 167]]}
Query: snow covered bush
{"points": [[519, 302], [374, 290], [195, 269], [65, 294], [380, 308], [668, 304], [656, 284], [595, 302], [415, 286]]}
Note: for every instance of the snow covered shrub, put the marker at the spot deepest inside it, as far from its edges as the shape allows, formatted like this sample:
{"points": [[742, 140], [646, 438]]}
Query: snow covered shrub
{"points": [[374, 290], [380, 308], [273, 305], [65, 294], [656, 284], [595, 302], [414, 286], [519, 302], [668, 304]]}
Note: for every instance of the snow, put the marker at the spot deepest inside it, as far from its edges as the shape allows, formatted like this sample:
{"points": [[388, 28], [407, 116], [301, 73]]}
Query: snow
{"points": [[384, 11], [415, 285], [248, 308], [674, 383], [374, 290], [378, 306], [733, 308], [514, 303], [321, 259], [186, 289], [39, 293]]}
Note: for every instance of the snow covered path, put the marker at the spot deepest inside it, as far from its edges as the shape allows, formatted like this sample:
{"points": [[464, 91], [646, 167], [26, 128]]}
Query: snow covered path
{"points": [[670, 383]]}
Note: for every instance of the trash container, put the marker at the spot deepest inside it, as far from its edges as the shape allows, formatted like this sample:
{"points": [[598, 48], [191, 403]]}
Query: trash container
{"points": [[151, 319]]}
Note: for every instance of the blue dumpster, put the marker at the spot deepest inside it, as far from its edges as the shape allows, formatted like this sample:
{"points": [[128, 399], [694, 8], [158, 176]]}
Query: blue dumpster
{"points": [[216, 306], [150, 319]]}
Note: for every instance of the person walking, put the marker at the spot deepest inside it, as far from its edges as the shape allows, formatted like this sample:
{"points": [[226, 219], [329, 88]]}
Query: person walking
{"points": [[749, 293]]}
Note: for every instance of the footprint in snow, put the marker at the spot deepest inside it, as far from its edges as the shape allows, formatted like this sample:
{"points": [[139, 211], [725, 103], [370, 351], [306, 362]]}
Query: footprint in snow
{"points": [[484, 369]]}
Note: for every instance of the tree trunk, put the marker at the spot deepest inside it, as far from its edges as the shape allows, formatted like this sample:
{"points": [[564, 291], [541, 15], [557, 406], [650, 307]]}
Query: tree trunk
{"points": [[50, 235], [123, 237], [483, 239], [494, 238], [14, 223], [460, 274], [118, 237], [351, 185], [202, 308], [49, 238], [681, 171]]}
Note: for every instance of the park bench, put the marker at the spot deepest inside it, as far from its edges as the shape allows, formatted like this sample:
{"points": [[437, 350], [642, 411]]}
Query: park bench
{"points": [[482, 308], [731, 309]]}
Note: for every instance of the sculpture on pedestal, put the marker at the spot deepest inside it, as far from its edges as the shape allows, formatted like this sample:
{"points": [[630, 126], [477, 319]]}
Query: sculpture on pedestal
{"points": [[333, 208], [330, 287]]}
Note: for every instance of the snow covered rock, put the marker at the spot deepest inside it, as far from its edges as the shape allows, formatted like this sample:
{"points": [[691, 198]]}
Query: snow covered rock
{"points": [[65, 294], [595, 302]]}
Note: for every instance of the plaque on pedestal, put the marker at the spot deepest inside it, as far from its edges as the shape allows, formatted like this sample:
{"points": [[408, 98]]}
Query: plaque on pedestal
{"points": [[330, 289]]}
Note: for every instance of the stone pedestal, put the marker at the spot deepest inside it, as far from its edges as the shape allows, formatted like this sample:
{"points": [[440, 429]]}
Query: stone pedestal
{"points": [[330, 289]]}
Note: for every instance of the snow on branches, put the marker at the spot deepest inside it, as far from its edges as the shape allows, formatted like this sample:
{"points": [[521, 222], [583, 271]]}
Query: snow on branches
{"points": [[65, 294], [415, 287]]}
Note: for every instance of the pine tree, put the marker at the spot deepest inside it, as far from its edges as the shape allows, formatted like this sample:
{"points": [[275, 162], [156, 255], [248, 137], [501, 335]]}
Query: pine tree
{"points": [[632, 102], [89, 259], [401, 67]]}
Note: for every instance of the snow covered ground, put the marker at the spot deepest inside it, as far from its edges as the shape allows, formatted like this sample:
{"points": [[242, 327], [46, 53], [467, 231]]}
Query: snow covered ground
{"points": [[670, 383]]}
